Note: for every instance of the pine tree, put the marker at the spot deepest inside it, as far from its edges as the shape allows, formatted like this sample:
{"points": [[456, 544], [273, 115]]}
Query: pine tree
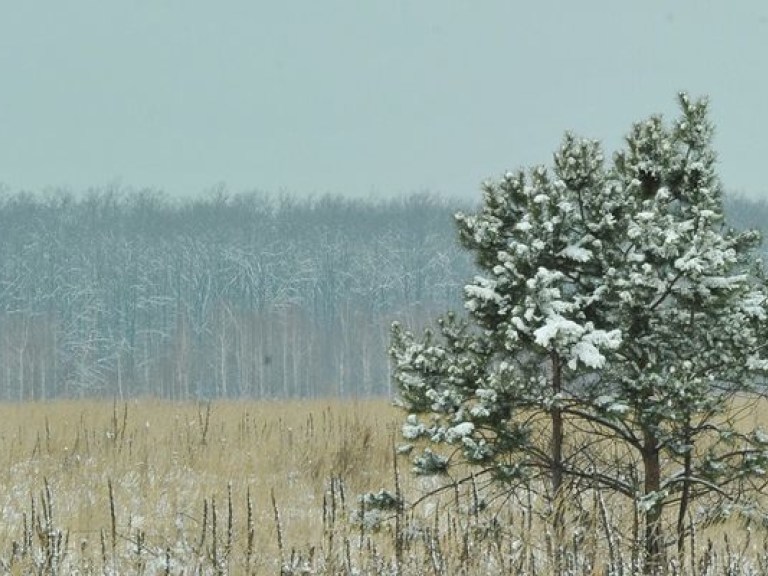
{"points": [[611, 302]]}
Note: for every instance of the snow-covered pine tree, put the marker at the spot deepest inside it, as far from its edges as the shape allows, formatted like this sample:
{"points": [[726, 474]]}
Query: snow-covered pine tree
{"points": [[611, 301], [497, 383], [690, 300]]}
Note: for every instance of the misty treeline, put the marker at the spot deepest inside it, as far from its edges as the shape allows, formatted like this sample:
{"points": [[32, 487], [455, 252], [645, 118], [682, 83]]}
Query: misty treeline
{"points": [[131, 293]]}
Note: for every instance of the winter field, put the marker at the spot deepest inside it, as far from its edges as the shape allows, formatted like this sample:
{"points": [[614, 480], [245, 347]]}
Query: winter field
{"points": [[153, 487]]}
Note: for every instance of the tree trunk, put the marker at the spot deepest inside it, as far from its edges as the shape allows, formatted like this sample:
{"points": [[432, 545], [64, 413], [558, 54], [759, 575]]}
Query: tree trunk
{"points": [[557, 464], [654, 550], [557, 427], [685, 497]]}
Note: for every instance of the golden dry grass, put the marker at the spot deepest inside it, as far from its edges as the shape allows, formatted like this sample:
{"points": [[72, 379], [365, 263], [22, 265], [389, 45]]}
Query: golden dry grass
{"points": [[169, 465], [152, 487]]}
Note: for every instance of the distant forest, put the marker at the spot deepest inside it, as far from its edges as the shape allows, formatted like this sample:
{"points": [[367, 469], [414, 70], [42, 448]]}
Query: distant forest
{"points": [[124, 294]]}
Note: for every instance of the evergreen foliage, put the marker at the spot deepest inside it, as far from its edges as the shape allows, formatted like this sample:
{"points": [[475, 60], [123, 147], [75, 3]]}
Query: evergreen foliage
{"points": [[615, 324]]}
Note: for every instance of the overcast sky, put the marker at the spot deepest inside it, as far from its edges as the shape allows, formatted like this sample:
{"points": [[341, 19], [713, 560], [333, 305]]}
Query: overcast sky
{"points": [[360, 97]]}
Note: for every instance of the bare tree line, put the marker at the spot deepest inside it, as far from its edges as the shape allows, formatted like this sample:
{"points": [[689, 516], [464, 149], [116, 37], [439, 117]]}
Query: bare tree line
{"points": [[124, 294]]}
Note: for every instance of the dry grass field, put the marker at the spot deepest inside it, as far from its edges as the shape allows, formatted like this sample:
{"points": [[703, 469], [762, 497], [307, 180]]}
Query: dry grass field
{"points": [[148, 487], [154, 487]]}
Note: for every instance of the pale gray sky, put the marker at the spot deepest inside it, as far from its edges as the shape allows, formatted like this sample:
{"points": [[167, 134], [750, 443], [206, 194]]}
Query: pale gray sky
{"points": [[360, 97]]}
